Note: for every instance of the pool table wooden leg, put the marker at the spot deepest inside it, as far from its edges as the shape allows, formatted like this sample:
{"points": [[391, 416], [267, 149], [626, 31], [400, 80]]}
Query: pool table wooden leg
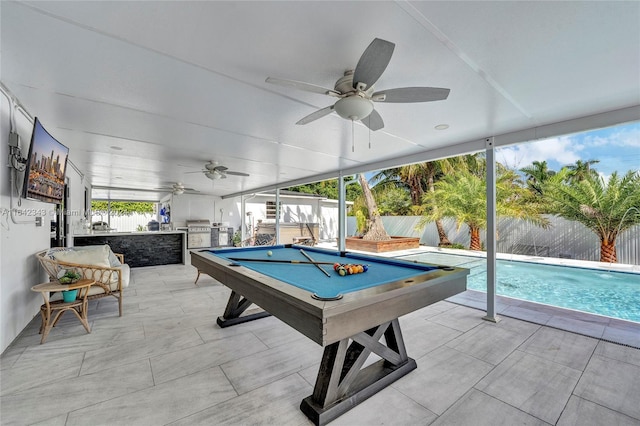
{"points": [[236, 306], [342, 383]]}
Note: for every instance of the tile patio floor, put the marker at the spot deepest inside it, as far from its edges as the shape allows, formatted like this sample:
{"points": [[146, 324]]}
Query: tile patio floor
{"points": [[166, 362]]}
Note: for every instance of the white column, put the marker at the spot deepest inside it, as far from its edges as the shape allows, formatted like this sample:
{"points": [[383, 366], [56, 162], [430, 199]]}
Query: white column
{"points": [[243, 219], [277, 215], [491, 232], [342, 213]]}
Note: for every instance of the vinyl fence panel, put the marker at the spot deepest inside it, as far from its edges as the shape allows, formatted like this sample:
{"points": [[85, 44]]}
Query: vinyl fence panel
{"points": [[564, 239]]}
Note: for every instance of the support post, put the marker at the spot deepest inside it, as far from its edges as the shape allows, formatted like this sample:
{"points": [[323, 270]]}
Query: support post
{"points": [[243, 219], [277, 215], [491, 231], [342, 213]]}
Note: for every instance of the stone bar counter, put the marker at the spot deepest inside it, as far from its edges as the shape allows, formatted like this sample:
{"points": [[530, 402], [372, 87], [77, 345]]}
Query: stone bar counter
{"points": [[144, 248]]}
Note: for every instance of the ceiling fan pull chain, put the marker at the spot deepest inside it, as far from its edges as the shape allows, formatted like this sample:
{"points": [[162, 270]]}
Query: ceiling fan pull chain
{"points": [[369, 127]]}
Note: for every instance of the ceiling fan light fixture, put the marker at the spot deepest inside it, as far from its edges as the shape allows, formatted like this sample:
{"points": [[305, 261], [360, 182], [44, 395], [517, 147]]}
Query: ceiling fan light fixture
{"points": [[213, 175], [353, 107], [178, 191]]}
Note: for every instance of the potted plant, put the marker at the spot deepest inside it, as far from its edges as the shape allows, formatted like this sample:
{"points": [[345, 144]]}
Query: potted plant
{"points": [[68, 276]]}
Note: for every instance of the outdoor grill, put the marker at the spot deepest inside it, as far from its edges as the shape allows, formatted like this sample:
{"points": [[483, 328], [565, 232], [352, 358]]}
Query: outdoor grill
{"points": [[198, 233]]}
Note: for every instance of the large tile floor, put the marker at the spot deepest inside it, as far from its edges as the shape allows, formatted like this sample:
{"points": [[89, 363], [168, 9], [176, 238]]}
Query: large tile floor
{"points": [[167, 362]]}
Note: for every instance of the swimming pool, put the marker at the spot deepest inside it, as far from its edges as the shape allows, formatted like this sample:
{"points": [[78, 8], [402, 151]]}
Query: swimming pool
{"points": [[612, 294]]}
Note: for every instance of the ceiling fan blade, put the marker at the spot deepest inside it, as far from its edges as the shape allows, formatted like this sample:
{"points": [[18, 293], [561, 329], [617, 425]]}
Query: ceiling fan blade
{"points": [[316, 115], [300, 85], [373, 121], [411, 94], [220, 169], [199, 171], [228, 172], [372, 63]]}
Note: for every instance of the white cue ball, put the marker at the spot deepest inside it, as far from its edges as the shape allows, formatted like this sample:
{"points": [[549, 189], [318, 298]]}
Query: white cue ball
{"points": [[269, 253]]}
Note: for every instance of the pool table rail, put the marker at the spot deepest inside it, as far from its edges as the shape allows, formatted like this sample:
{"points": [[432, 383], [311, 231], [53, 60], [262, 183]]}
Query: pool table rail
{"points": [[270, 294], [383, 303]]}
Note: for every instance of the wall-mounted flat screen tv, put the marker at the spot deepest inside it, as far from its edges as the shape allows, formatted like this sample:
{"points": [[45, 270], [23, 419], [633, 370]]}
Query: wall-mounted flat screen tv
{"points": [[46, 166]]}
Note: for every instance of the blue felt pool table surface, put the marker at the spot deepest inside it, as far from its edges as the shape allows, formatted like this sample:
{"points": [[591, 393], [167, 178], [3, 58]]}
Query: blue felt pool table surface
{"points": [[310, 278]]}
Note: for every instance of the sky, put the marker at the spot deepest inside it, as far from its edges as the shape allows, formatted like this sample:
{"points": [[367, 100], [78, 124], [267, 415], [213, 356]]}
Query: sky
{"points": [[617, 148]]}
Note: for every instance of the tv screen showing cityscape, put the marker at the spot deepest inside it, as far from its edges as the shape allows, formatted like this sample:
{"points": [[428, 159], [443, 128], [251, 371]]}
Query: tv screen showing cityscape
{"points": [[46, 165]]}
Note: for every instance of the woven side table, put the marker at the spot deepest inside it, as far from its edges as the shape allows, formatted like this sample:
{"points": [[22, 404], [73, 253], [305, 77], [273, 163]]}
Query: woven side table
{"points": [[59, 307]]}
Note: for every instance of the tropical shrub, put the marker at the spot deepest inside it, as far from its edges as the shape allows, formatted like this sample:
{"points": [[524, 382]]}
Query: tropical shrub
{"points": [[607, 207]]}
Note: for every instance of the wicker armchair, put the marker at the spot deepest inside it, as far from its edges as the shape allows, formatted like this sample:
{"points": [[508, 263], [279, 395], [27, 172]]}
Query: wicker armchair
{"points": [[109, 280]]}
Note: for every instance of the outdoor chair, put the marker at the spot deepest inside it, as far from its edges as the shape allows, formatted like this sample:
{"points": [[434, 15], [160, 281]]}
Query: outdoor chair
{"points": [[98, 263]]}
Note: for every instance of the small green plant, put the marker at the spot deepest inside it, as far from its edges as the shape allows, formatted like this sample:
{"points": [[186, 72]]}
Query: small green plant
{"points": [[68, 276], [140, 228], [361, 222], [237, 239]]}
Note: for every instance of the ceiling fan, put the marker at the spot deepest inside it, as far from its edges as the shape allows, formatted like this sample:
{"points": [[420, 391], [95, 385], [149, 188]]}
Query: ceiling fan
{"points": [[214, 171], [178, 188], [355, 89]]}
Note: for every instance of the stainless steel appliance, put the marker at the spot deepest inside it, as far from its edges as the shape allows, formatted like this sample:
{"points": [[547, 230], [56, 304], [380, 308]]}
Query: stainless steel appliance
{"points": [[198, 233], [221, 236]]}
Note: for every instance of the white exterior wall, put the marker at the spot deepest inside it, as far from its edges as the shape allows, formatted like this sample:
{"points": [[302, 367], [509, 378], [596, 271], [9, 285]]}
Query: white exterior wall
{"points": [[193, 206], [329, 220], [296, 210], [19, 242], [190, 206]]}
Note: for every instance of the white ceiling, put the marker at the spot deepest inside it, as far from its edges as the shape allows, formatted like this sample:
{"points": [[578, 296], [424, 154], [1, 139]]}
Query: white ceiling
{"points": [[176, 84]]}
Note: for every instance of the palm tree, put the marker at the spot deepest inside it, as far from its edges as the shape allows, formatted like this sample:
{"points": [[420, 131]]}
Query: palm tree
{"points": [[463, 197], [602, 206], [474, 163], [374, 229], [582, 169], [419, 178], [409, 177], [537, 174], [434, 169]]}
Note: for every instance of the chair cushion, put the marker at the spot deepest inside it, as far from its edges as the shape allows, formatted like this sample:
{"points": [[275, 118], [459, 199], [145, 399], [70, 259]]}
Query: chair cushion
{"points": [[89, 255], [125, 273], [100, 256], [113, 259]]}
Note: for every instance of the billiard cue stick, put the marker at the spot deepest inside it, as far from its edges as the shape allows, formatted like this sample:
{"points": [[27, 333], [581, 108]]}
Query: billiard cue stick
{"points": [[302, 262], [304, 253]]}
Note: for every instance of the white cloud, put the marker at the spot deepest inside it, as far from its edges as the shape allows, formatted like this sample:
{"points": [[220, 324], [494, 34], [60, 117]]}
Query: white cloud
{"points": [[625, 137], [562, 150], [605, 177]]}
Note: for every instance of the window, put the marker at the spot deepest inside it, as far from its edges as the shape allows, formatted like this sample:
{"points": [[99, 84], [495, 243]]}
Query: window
{"points": [[271, 210]]}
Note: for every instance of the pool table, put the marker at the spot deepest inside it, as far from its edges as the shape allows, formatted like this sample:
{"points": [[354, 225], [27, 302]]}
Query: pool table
{"points": [[347, 315]]}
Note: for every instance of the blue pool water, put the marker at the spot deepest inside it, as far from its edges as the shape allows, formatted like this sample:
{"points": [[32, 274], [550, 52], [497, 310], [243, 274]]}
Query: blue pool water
{"points": [[612, 294]]}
